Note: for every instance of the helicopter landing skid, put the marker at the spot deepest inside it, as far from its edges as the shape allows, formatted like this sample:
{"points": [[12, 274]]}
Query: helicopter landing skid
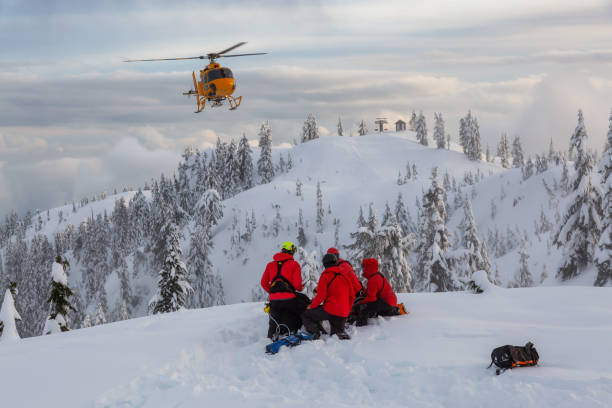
{"points": [[234, 102]]}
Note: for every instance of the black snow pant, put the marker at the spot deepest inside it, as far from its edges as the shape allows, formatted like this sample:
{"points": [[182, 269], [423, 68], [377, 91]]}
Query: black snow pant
{"points": [[374, 309], [285, 317], [312, 319]]}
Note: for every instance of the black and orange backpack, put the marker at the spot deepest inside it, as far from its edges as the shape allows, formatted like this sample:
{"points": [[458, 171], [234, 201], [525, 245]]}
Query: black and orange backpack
{"points": [[508, 357]]}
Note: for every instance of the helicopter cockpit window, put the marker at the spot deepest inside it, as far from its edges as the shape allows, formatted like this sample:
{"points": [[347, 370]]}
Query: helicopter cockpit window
{"points": [[219, 73]]}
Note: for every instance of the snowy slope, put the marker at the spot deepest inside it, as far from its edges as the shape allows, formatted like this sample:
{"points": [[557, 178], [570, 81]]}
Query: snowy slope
{"points": [[353, 172], [436, 356]]}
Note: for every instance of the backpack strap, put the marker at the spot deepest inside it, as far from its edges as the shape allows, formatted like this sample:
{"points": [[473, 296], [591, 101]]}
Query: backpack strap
{"points": [[383, 285], [279, 276], [335, 275]]}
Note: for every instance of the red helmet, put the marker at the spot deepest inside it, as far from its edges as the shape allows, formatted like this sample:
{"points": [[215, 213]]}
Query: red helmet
{"points": [[333, 251]]}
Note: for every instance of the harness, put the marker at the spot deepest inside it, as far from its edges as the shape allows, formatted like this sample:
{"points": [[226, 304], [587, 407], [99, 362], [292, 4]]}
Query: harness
{"points": [[334, 277], [285, 285]]}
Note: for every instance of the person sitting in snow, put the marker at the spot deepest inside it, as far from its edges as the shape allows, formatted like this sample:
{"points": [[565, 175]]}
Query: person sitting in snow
{"points": [[282, 279], [380, 300], [333, 301], [342, 263]]}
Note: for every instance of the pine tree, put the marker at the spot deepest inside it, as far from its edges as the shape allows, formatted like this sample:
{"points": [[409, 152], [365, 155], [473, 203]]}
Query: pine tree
{"points": [[434, 265], [298, 188], [209, 212], [86, 321], [395, 248], [412, 122], [524, 278], [475, 150], [421, 130], [488, 157], [310, 131], [528, 169], [310, 270], [603, 254], [581, 227], [320, 211], [518, 160], [439, 131], [340, 131], [471, 249], [265, 168], [8, 318], [363, 130], [244, 157], [301, 236], [124, 315], [58, 300], [100, 315], [173, 284], [503, 151]]}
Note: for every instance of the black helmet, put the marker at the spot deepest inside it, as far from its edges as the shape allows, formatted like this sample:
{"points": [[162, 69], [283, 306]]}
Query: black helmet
{"points": [[330, 260]]}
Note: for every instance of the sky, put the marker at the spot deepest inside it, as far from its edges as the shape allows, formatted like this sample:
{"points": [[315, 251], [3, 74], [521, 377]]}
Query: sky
{"points": [[75, 120]]}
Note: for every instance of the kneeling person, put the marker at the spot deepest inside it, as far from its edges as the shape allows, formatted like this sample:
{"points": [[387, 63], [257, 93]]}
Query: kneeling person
{"points": [[333, 301], [380, 299]]}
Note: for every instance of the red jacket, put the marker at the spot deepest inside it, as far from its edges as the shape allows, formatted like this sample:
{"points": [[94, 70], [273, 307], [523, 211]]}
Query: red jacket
{"points": [[335, 291], [378, 286], [290, 270], [351, 273]]}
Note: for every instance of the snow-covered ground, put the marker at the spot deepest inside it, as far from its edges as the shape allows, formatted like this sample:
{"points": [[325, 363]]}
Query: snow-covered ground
{"points": [[434, 357]]}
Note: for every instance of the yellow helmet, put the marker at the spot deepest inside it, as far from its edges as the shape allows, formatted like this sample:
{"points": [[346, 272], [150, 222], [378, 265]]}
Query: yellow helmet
{"points": [[289, 247]]}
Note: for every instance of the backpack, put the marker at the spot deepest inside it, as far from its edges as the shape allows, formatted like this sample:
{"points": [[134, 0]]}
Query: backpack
{"points": [[280, 283], [507, 356]]}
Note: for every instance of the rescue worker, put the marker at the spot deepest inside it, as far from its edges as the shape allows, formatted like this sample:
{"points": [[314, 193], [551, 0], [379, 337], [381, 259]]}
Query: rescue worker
{"points": [[333, 301], [282, 279], [380, 300], [342, 263]]}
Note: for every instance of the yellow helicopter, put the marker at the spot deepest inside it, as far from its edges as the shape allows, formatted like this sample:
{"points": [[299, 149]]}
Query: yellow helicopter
{"points": [[216, 83]]}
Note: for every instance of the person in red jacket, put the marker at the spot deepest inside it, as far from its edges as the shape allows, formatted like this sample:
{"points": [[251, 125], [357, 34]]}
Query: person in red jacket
{"points": [[342, 263], [282, 279], [333, 301], [380, 300]]}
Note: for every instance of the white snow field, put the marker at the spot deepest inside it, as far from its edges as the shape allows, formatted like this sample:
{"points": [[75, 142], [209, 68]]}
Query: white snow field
{"points": [[434, 357]]}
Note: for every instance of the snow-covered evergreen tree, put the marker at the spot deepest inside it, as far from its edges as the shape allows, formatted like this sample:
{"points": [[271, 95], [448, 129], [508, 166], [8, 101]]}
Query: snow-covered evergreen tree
{"points": [[87, 321], [100, 315], [363, 130], [435, 269], [580, 230], [57, 321], [603, 253], [469, 136], [469, 256], [173, 284], [8, 318], [265, 168], [310, 269], [205, 283], [518, 159], [528, 169], [244, 158], [524, 278], [439, 131], [421, 130], [503, 151], [412, 122], [320, 210], [396, 248], [301, 235], [340, 130], [310, 131]]}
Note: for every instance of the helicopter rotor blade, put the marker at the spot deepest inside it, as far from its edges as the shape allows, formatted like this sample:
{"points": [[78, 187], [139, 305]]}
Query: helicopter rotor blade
{"points": [[166, 59], [230, 48], [242, 55]]}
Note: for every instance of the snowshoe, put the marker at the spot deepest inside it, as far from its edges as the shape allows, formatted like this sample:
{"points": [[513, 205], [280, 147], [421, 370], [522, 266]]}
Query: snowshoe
{"points": [[291, 340]]}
